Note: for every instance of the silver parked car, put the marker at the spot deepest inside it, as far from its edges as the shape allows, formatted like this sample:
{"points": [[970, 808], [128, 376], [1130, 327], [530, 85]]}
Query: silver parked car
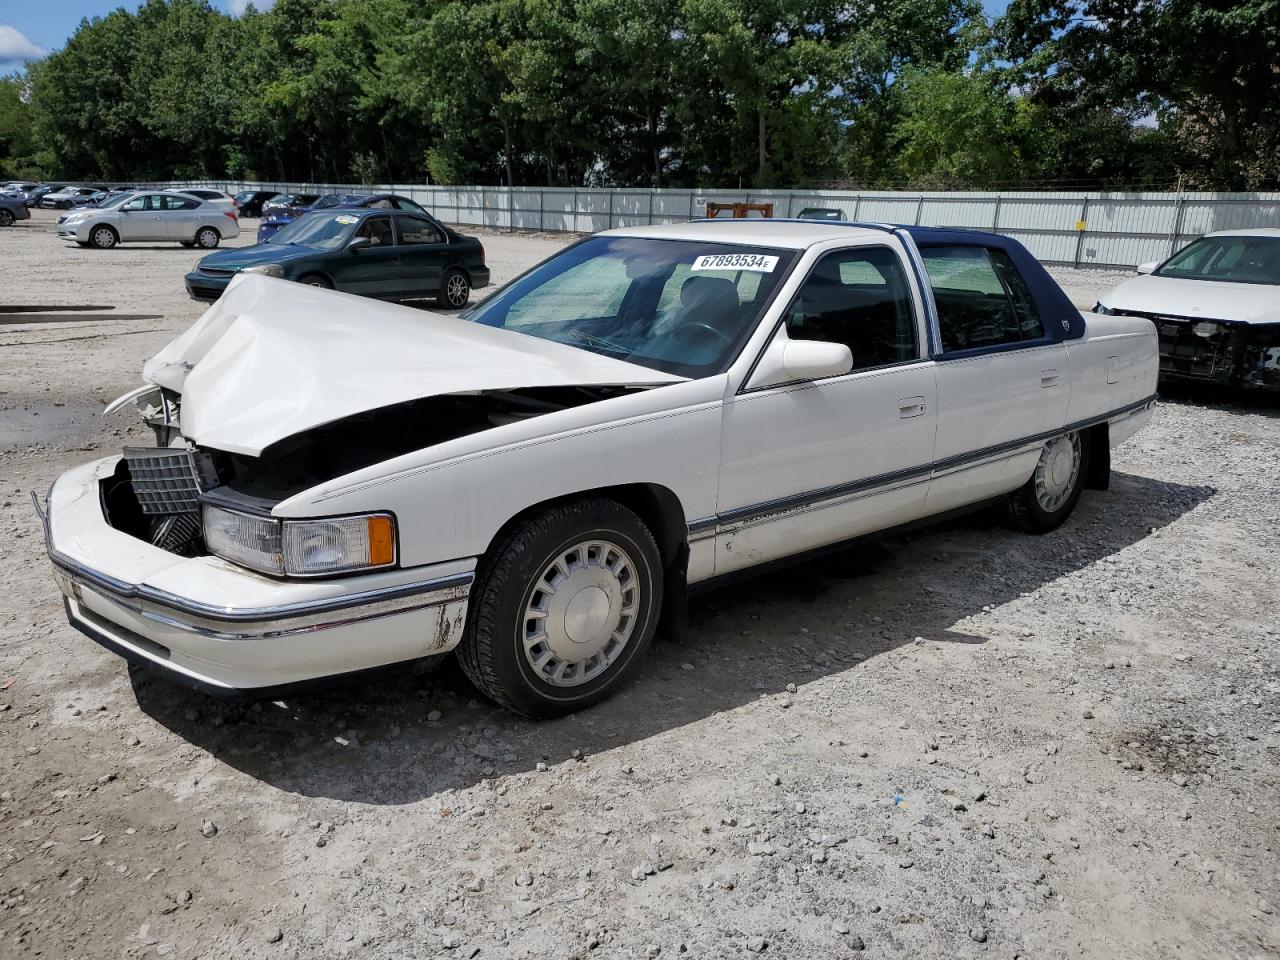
{"points": [[150, 216]]}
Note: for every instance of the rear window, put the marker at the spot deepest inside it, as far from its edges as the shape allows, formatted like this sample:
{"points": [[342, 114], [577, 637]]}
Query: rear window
{"points": [[981, 298]]}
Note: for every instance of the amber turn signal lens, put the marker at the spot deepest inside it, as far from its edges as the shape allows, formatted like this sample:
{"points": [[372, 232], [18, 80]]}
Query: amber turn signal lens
{"points": [[382, 542]]}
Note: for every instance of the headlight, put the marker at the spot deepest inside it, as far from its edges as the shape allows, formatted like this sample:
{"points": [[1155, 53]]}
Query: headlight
{"points": [[301, 548], [267, 270]]}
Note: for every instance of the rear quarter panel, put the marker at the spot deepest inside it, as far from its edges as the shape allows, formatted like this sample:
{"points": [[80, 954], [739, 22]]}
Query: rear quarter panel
{"points": [[1114, 364]]}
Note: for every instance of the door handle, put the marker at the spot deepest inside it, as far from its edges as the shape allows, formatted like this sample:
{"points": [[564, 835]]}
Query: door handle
{"points": [[909, 407], [1048, 378]]}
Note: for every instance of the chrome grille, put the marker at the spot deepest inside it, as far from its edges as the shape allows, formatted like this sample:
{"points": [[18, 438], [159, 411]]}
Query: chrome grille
{"points": [[164, 480]]}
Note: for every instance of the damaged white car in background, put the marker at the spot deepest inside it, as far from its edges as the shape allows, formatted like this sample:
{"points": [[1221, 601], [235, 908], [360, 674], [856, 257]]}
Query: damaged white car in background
{"points": [[339, 485], [1216, 307]]}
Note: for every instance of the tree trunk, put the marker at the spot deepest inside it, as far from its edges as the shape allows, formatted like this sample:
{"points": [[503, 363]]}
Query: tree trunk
{"points": [[653, 145], [506, 140], [762, 169]]}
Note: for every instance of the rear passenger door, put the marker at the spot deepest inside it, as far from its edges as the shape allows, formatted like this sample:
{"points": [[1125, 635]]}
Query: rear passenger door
{"points": [[1002, 381], [178, 215], [423, 251], [808, 464]]}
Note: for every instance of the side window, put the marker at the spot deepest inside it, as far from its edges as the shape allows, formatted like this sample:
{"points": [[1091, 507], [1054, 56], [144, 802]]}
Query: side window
{"points": [[177, 203], [417, 231], [403, 204], [859, 298], [378, 230], [383, 204], [137, 203], [982, 300]]}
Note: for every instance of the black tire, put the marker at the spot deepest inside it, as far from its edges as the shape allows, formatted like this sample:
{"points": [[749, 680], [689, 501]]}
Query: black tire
{"points": [[316, 280], [103, 237], [1030, 507], [513, 573], [207, 238], [6, 217], [455, 290]]}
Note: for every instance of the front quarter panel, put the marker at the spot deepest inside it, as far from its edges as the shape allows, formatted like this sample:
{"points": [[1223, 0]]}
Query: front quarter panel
{"points": [[451, 500]]}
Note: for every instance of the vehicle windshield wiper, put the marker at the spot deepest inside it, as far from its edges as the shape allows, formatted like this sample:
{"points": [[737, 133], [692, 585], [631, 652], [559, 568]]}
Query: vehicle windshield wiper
{"points": [[601, 342]]}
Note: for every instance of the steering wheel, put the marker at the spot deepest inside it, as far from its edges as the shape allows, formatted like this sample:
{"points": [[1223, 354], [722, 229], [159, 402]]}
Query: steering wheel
{"points": [[697, 330]]}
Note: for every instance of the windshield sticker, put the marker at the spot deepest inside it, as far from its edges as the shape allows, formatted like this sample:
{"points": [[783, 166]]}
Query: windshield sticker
{"points": [[347, 219], [756, 262]]}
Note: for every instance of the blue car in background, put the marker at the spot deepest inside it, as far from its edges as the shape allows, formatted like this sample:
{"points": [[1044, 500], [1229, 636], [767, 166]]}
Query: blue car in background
{"points": [[383, 253], [274, 218]]}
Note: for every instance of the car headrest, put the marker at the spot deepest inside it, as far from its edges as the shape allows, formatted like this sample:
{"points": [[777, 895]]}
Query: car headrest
{"points": [[709, 293]]}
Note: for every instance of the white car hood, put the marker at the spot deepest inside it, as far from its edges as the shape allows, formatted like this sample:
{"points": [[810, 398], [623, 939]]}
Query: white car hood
{"points": [[273, 358], [1249, 302]]}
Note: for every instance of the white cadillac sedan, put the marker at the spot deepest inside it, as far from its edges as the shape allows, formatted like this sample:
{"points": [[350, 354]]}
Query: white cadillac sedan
{"points": [[1216, 306], [339, 484]]}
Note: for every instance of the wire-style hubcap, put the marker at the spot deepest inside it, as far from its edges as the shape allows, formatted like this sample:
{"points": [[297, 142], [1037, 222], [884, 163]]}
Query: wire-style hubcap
{"points": [[1057, 472], [580, 613], [456, 291]]}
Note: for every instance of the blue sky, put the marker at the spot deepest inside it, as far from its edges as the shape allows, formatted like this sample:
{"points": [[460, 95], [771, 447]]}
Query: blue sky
{"points": [[30, 28]]}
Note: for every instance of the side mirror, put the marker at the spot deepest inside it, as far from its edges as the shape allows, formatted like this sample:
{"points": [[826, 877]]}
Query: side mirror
{"points": [[788, 361], [1145, 268], [357, 244]]}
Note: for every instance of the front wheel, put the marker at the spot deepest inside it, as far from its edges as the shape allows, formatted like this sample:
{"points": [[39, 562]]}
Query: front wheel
{"points": [[207, 238], [563, 608], [1047, 499], [104, 238], [455, 290], [315, 280], [6, 217]]}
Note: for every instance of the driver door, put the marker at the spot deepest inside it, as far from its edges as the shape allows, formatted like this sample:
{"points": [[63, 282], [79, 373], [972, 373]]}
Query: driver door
{"points": [[371, 271], [140, 219], [808, 464]]}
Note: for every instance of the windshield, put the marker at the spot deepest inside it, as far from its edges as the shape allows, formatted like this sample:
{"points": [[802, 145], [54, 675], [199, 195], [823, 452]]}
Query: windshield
{"points": [[326, 231], [1229, 259], [679, 306], [116, 200]]}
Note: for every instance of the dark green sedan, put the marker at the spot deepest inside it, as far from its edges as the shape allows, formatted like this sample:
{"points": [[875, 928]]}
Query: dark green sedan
{"points": [[387, 254]]}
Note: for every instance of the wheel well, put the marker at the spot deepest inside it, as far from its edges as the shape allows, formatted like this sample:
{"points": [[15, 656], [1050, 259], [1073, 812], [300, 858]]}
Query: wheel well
{"points": [[108, 226], [655, 505]]}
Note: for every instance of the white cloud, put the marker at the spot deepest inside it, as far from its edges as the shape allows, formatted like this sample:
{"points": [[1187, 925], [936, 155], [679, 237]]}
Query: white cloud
{"points": [[15, 48], [238, 7]]}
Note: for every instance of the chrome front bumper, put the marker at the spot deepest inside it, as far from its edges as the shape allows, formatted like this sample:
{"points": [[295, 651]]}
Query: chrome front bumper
{"points": [[228, 630]]}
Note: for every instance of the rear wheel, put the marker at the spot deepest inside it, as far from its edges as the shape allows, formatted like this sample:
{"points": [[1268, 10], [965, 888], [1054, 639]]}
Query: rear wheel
{"points": [[104, 237], [563, 608], [207, 238], [1053, 491], [455, 290]]}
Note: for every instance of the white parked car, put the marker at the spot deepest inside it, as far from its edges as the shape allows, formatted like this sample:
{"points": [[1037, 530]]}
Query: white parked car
{"points": [[340, 484], [1216, 306], [223, 201], [149, 216]]}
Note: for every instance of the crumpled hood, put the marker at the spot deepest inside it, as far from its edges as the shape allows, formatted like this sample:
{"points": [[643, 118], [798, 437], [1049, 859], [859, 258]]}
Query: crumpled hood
{"points": [[1249, 302], [273, 358]]}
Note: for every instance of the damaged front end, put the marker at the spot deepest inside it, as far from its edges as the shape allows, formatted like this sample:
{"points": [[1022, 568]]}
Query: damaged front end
{"points": [[1231, 352], [156, 493]]}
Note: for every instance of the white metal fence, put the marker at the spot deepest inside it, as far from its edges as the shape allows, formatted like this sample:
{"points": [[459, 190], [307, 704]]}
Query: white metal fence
{"points": [[1078, 229]]}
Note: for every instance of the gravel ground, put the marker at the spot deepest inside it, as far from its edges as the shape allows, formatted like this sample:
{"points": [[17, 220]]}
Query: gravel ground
{"points": [[960, 743]]}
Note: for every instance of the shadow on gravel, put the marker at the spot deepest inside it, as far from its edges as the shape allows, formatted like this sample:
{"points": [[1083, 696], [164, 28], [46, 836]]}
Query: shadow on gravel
{"points": [[1222, 397], [375, 743]]}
